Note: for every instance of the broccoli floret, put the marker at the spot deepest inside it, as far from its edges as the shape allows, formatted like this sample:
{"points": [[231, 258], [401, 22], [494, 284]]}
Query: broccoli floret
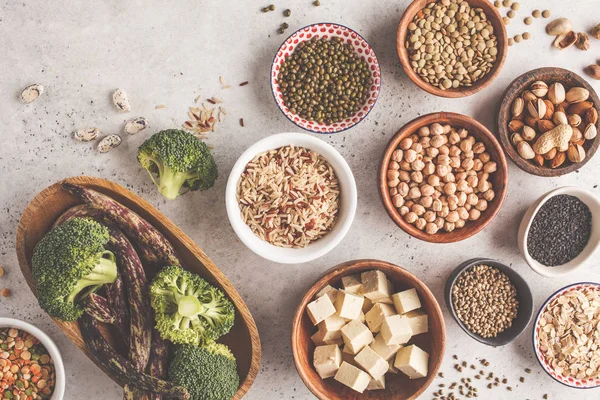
{"points": [[180, 161], [188, 310], [208, 372], [69, 263]]}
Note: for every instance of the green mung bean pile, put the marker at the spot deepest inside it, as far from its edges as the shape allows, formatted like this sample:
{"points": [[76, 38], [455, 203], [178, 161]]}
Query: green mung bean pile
{"points": [[324, 80]]}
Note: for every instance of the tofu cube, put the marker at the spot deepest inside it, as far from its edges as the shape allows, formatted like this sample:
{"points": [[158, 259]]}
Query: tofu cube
{"points": [[406, 301], [352, 284], [329, 291], [375, 285], [372, 362], [385, 351], [348, 305], [332, 326], [349, 358], [377, 314], [367, 305], [387, 300], [392, 369], [352, 377], [412, 361], [395, 329], [418, 320], [320, 309], [322, 338], [356, 336], [377, 384], [327, 360]]}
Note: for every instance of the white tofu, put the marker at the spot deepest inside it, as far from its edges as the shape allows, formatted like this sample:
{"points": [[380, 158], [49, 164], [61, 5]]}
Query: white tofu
{"points": [[320, 309], [377, 384], [385, 351], [392, 369], [356, 336], [349, 358], [387, 300], [367, 305], [418, 320], [406, 301], [395, 329], [332, 326], [375, 285], [347, 350], [321, 338], [372, 362], [412, 361], [327, 360], [352, 377], [348, 305], [329, 291], [377, 314], [352, 284]]}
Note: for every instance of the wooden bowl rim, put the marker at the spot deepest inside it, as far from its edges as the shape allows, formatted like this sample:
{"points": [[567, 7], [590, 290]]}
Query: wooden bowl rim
{"points": [[343, 269], [504, 112], [30, 213], [456, 235], [495, 18]]}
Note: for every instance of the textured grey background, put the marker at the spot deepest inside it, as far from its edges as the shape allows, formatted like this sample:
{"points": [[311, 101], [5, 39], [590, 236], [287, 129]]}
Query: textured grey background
{"points": [[168, 52]]}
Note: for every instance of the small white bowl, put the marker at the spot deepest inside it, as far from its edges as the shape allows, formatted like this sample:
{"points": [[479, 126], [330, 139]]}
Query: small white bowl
{"points": [[592, 202], [318, 248], [59, 387]]}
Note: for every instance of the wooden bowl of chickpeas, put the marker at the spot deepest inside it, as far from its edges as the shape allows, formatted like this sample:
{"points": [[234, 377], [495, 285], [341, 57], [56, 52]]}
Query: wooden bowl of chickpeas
{"points": [[443, 177]]}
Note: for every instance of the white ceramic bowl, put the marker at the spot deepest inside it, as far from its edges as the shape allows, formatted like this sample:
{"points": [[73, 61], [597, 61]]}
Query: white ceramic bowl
{"points": [[318, 248], [59, 388], [592, 202]]}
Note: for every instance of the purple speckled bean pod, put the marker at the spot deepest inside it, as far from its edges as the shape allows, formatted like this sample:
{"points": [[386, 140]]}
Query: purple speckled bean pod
{"points": [[159, 358], [129, 222], [98, 307]]}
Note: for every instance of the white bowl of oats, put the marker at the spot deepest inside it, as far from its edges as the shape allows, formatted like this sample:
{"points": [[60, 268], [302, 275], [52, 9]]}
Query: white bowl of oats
{"points": [[291, 198]]}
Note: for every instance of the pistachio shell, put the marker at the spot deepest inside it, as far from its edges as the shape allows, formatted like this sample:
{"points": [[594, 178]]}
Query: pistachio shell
{"points": [[539, 88], [559, 26], [590, 132], [576, 153], [528, 133], [577, 95], [517, 107], [556, 93], [525, 150], [560, 118]]}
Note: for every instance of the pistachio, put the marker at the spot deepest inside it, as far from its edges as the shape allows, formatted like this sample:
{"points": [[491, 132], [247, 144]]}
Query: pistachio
{"points": [[517, 107], [86, 134], [528, 133], [577, 95], [525, 150], [31, 93], [516, 138], [545, 125], [515, 125], [108, 143], [539, 88], [591, 116], [556, 93], [583, 41], [596, 31], [568, 40], [576, 153], [528, 96], [560, 118], [593, 71], [537, 109], [559, 26], [557, 40], [574, 120], [577, 135], [558, 160], [590, 131]]}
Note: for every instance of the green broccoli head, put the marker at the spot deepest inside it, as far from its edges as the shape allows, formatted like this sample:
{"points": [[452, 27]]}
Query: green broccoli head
{"points": [[180, 161], [69, 263], [188, 310], [208, 372]]}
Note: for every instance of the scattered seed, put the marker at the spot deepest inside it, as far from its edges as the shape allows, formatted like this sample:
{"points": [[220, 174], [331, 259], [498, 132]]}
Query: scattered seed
{"points": [[546, 13], [489, 386], [464, 363], [507, 3], [515, 6], [287, 12], [158, 107], [521, 379], [518, 38], [31, 93], [121, 101], [455, 357], [473, 366], [5, 292], [223, 110], [509, 388], [441, 374], [506, 20], [527, 370], [107, 143], [511, 41], [477, 376], [86, 134], [244, 83], [136, 125], [528, 21], [316, 3], [1, 271], [272, 7], [497, 4], [526, 35], [545, 396], [505, 381], [510, 14], [242, 122], [222, 81], [441, 385], [536, 13], [211, 101]]}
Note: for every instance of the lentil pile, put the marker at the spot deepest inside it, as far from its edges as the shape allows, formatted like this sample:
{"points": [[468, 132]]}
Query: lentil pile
{"points": [[26, 369], [451, 45], [485, 300], [560, 230], [324, 80]]}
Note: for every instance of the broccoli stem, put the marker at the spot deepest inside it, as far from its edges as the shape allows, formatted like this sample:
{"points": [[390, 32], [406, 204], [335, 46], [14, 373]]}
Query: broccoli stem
{"points": [[188, 306], [171, 182], [105, 271]]}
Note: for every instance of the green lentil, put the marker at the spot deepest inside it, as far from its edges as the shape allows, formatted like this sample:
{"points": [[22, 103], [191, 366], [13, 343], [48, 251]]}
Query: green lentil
{"points": [[518, 38], [324, 80], [497, 4], [506, 20], [528, 21], [316, 3], [510, 14], [546, 14], [526, 35], [272, 7], [515, 6], [536, 13]]}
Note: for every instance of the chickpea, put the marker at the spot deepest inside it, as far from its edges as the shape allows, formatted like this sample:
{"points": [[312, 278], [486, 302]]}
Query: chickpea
{"points": [[444, 200], [444, 150], [467, 164], [431, 228], [392, 174], [436, 129], [443, 212], [462, 185], [468, 207], [443, 159], [436, 205], [426, 201], [437, 141], [397, 155], [450, 188], [414, 193], [410, 155], [424, 131], [469, 190], [433, 180], [462, 198], [393, 183], [418, 209], [454, 162], [405, 166], [449, 226], [481, 205], [471, 173], [417, 176], [490, 167], [436, 194], [427, 190], [474, 214], [411, 217], [442, 170], [398, 201], [477, 165], [429, 168], [403, 189], [483, 186], [461, 175], [449, 177], [394, 191], [468, 154], [472, 180], [417, 165], [483, 176], [460, 223], [484, 157], [414, 137], [404, 176], [429, 216], [421, 223], [409, 204], [425, 142], [453, 138], [406, 143], [404, 210], [433, 152], [478, 148], [472, 199], [413, 184], [463, 133], [447, 128], [418, 147], [439, 222], [489, 195], [394, 165], [467, 144], [462, 213], [454, 151]]}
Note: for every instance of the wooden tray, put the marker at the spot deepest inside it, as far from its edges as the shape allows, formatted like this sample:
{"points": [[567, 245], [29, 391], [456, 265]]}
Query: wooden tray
{"points": [[48, 205]]}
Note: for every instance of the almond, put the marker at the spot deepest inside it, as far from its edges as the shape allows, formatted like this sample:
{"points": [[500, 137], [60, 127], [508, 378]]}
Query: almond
{"points": [[580, 108], [558, 160], [544, 125], [515, 125], [551, 154], [549, 109], [529, 120], [539, 160], [591, 116], [593, 71]]}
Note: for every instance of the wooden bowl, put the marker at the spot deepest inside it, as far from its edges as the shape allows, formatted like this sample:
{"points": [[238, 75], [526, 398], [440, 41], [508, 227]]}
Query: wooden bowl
{"points": [[47, 206], [499, 179], [398, 387], [515, 89], [499, 29]]}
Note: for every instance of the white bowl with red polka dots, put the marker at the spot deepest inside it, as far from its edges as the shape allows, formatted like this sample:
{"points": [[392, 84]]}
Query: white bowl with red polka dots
{"points": [[360, 45]]}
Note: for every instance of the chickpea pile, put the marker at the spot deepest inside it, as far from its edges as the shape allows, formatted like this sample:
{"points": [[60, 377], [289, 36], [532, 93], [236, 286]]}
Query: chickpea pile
{"points": [[438, 178]]}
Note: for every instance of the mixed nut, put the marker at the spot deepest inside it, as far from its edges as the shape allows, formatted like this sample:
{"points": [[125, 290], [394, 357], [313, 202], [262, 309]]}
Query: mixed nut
{"points": [[550, 125], [439, 178]]}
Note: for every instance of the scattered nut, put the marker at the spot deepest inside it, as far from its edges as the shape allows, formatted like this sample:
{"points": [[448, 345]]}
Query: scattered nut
{"points": [[136, 125], [560, 26], [31, 93], [568, 39], [121, 101], [583, 41], [596, 31], [593, 71], [5, 292], [108, 143], [86, 134]]}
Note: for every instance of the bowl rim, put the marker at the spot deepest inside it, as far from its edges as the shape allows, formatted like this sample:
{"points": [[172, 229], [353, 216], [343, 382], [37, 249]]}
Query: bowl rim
{"points": [[491, 12], [412, 126], [504, 113], [460, 269], [535, 322], [341, 270], [576, 263], [371, 107], [292, 255], [59, 368]]}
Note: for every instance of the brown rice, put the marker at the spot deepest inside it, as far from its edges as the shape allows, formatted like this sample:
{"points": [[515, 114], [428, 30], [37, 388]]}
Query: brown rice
{"points": [[289, 196]]}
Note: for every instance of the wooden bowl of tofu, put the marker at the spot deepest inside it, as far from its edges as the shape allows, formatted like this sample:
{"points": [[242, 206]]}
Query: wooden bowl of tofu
{"points": [[368, 329]]}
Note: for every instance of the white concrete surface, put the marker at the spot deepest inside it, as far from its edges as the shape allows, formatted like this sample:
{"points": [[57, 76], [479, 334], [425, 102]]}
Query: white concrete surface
{"points": [[168, 52]]}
